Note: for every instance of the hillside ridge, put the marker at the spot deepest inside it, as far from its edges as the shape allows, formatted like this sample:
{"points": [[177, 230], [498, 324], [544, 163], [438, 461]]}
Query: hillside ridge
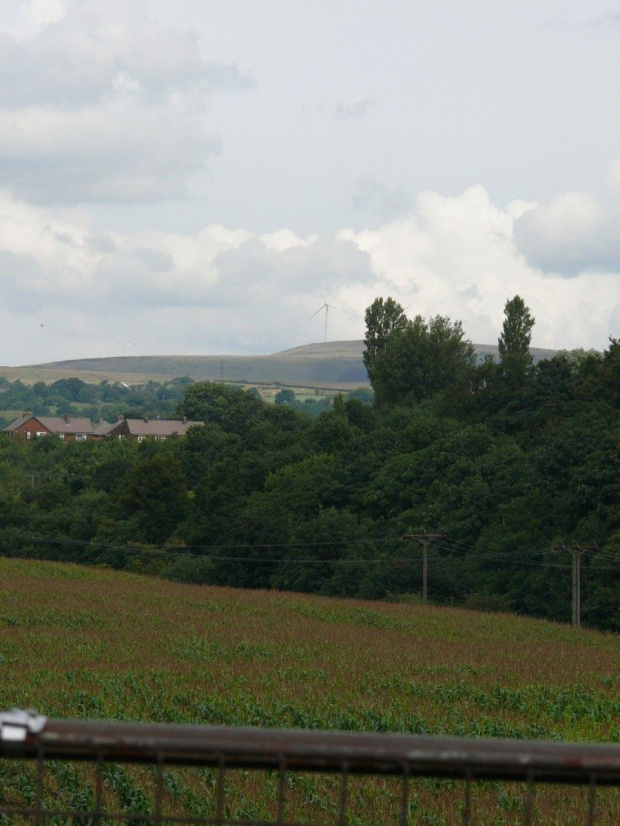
{"points": [[333, 362]]}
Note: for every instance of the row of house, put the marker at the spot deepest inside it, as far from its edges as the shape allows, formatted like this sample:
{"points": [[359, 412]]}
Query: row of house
{"points": [[80, 429]]}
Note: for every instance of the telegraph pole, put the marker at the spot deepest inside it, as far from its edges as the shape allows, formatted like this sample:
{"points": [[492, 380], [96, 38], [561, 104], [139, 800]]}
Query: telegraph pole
{"points": [[425, 540], [576, 550]]}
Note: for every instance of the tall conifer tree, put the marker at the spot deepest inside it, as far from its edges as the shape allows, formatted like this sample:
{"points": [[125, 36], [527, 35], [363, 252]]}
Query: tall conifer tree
{"points": [[514, 343]]}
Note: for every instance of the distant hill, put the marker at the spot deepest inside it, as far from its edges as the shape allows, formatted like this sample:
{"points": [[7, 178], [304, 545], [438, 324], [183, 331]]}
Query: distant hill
{"points": [[334, 363]]}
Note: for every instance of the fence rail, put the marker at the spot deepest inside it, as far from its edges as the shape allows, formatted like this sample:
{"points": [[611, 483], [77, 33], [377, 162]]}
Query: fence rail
{"points": [[42, 745]]}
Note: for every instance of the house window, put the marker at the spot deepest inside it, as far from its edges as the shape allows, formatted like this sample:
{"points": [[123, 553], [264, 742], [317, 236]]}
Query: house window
{"points": [[62, 435], [140, 438], [28, 434], [80, 437], [41, 433]]}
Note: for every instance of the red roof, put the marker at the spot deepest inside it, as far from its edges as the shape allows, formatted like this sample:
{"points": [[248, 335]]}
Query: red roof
{"points": [[55, 424], [158, 427]]}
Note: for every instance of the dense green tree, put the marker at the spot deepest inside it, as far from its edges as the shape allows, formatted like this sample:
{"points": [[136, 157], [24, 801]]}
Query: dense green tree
{"points": [[382, 318], [197, 570], [154, 493], [234, 410], [514, 342], [285, 396], [421, 359], [303, 488], [70, 388], [333, 538]]}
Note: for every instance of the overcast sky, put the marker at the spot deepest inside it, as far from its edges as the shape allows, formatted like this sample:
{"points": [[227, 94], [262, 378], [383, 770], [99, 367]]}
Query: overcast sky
{"points": [[184, 177]]}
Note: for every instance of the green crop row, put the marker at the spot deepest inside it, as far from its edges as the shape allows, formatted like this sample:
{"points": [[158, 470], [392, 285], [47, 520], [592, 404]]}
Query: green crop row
{"points": [[123, 647]]}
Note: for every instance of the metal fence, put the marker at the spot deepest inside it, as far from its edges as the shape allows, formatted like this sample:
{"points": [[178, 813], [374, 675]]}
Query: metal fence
{"points": [[95, 772]]}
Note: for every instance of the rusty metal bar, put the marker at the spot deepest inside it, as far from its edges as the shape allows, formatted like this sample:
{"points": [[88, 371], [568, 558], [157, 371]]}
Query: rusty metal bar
{"points": [[467, 802], [317, 751], [404, 798], [591, 799], [529, 800]]}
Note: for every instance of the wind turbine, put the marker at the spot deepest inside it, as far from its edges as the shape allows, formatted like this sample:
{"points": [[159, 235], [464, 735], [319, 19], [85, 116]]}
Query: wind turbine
{"points": [[325, 306]]}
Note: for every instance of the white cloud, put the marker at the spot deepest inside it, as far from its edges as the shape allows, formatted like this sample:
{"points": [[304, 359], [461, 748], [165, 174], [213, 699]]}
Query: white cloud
{"points": [[82, 57], [613, 177], [225, 288], [259, 274], [103, 103], [230, 290], [459, 257], [35, 15], [575, 232], [121, 151], [568, 235], [284, 239]]}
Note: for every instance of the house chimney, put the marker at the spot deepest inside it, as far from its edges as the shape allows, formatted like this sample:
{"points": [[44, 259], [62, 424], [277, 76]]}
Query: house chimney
{"points": [[120, 418], [67, 418], [146, 420], [25, 413], [184, 419]]}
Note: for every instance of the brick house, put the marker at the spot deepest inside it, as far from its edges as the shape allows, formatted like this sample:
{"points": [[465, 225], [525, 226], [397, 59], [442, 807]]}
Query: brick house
{"points": [[68, 428], [80, 429], [140, 429]]}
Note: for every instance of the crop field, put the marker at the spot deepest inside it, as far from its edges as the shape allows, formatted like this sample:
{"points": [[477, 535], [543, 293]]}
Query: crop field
{"points": [[84, 642]]}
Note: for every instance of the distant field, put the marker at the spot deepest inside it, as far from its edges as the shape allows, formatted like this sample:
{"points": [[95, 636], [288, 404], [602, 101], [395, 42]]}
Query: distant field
{"points": [[95, 643], [30, 375]]}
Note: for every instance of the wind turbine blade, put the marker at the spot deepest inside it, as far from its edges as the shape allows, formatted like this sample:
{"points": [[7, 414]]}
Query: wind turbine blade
{"points": [[317, 312], [332, 307]]}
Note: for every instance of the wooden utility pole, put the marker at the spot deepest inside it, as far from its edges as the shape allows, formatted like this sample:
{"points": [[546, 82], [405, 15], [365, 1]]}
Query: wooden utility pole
{"points": [[425, 540], [576, 550]]}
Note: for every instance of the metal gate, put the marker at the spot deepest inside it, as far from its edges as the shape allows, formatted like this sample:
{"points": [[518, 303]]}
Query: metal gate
{"points": [[86, 772]]}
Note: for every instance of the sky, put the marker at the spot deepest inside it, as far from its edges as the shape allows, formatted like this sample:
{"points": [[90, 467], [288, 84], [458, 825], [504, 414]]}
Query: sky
{"points": [[200, 178]]}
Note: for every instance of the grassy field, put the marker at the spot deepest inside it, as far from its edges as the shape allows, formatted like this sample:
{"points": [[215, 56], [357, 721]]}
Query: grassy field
{"points": [[32, 374], [81, 642]]}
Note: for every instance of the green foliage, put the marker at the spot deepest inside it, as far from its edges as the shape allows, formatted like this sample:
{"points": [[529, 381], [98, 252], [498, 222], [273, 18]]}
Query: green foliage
{"points": [[420, 359], [516, 336], [233, 410], [105, 400], [514, 343], [285, 397], [154, 496], [382, 318], [195, 570]]}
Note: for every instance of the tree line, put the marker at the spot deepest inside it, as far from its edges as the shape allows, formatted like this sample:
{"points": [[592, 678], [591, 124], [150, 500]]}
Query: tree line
{"points": [[105, 400], [109, 399], [506, 458]]}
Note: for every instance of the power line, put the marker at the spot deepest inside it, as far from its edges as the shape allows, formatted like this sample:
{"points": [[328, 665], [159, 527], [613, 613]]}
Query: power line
{"points": [[162, 551], [449, 546]]}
